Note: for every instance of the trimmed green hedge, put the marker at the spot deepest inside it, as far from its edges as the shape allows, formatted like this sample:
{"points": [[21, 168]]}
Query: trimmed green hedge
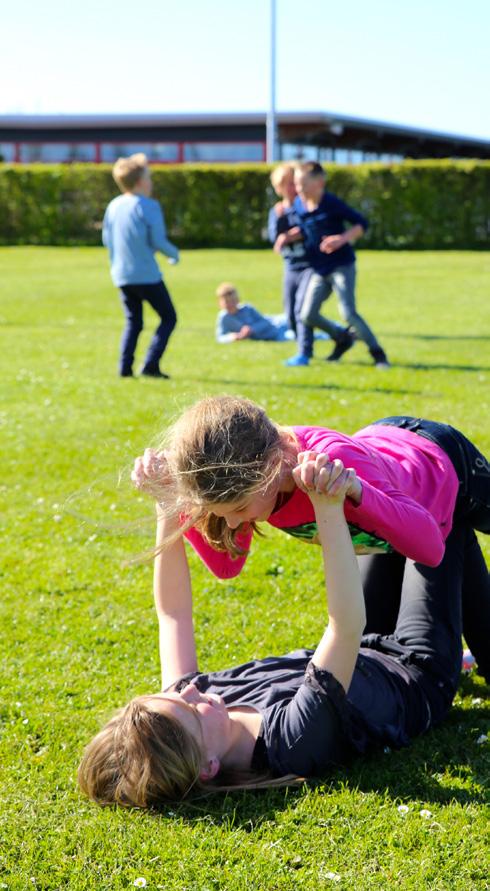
{"points": [[415, 204]]}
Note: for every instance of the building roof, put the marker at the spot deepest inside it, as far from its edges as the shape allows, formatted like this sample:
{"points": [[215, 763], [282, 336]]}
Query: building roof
{"points": [[319, 128]]}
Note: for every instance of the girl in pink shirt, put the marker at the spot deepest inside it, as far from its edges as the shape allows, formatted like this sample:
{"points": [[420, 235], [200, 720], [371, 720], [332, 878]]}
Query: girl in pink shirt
{"points": [[225, 467]]}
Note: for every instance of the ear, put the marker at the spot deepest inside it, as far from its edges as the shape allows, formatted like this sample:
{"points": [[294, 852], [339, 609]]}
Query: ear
{"points": [[210, 769]]}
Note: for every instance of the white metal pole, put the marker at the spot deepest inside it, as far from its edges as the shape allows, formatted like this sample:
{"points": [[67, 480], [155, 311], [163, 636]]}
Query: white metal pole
{"points": [[271, 114]]}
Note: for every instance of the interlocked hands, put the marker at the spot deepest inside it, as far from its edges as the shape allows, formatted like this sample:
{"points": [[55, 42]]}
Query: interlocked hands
{"points": [[323, 479]]}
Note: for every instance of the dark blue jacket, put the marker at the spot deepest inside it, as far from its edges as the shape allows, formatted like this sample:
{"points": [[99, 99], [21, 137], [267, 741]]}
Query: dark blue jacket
{"points": [[327, 219], [294, 254]]}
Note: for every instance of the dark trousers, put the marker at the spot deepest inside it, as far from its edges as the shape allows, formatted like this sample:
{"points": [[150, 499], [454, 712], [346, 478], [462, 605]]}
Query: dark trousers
{"points": [[472, 468], [132, 297], [422, 611], [294, 280]]}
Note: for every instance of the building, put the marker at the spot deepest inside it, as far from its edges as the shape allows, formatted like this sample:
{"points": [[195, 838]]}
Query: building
{"points": [[182, 138]]}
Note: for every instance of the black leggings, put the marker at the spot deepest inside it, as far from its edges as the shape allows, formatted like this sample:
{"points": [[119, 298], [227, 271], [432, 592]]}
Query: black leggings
{"points": [[419, 611]]}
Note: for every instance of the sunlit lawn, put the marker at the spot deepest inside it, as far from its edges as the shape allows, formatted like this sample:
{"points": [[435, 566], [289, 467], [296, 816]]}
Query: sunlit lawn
{"points": [[78, 631]]}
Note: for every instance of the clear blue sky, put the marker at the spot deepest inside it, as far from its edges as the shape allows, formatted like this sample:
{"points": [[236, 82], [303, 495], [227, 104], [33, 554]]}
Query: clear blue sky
{"points": [[423, 62]]}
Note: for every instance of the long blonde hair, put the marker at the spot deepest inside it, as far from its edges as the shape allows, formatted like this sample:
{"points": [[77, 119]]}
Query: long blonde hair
{"points": [[221, 450], [143, 758]]}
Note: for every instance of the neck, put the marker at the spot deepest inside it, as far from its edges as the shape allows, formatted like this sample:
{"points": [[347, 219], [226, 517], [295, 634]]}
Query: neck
{"points": [[245, 728]]}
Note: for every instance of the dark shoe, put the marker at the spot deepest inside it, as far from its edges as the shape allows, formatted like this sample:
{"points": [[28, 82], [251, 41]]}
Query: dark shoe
{"points": [[344, 343], [126, 374], [380, 358], [154, 372]]}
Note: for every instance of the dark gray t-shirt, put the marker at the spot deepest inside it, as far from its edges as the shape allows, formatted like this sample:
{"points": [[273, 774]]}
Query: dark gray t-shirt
{"points": [[308, 722]]}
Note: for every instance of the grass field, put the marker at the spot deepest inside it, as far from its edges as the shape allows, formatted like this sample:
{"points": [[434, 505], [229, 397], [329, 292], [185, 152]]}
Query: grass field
{"points": [[78, 632]]}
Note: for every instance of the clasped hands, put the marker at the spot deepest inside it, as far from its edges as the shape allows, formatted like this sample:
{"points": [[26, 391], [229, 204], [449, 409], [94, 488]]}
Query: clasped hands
{"points": [[324, 480]]}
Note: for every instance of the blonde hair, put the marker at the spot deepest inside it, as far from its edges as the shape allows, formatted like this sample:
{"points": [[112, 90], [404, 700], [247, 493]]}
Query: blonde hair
{"points": [[143, 758], [226, 288], [139, 759], [128, 171], [221, 450], [279, 173]]}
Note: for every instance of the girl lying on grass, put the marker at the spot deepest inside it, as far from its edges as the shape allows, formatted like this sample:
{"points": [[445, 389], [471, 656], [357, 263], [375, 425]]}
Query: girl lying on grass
{"points": [[271, 720], [225, 466]]}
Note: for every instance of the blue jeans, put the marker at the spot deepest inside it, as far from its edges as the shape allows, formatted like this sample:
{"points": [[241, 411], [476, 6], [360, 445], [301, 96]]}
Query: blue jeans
{"points": [[132, 297], [343, 281]]}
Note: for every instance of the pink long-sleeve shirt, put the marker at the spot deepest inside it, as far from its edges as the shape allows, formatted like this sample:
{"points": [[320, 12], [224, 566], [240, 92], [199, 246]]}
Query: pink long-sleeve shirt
{"points": [[409, 489]]}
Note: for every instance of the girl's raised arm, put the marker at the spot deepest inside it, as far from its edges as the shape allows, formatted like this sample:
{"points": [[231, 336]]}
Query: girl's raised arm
{"points": [[173, 601], [327, 483]]}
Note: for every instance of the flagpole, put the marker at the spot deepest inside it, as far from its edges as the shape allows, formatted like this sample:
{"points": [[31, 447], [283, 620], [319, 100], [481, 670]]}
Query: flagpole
{"points": [[271, 127]]}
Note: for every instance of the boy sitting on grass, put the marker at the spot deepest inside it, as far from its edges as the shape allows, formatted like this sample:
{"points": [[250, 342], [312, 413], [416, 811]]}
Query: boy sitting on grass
{"points": [[133, 229], [241, 321]]}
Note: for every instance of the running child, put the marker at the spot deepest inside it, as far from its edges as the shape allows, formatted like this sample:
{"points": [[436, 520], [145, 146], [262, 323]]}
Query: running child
{"points": [[133, 230], [284, 221]]}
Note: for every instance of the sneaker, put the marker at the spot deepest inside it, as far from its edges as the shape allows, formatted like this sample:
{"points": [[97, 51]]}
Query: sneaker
{"points": [[126, 374], [344, 343], [294, 361], [468, 661], [154, 372], [380, 358]]}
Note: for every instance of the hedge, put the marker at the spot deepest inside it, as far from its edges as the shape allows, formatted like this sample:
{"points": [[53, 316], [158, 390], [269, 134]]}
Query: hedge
{"points": [[411, 205]]}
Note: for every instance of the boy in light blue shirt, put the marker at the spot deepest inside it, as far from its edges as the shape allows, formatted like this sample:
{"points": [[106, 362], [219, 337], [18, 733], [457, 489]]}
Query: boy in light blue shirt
{"points": [[241, 321], [133, 229]]}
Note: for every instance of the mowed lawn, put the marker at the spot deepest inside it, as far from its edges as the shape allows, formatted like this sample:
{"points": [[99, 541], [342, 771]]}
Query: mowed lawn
{"points": [[79, 636]]}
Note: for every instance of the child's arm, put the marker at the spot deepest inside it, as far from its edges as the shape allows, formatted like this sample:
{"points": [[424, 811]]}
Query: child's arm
{"points": [[158, 232], [359, 225], [327, 483], [220, 563], [149, 475], [106, 231], [173, 602]]}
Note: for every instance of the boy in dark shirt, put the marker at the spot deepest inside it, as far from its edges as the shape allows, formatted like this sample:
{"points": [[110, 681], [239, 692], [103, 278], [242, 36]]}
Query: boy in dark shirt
{"points": [[329, 250]]}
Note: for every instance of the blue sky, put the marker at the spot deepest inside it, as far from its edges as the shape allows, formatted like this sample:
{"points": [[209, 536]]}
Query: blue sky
{"points": [[423, 62]]}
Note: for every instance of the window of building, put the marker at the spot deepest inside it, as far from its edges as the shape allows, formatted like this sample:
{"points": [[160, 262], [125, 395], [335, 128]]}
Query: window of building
{"points": [[7, 152], [165, 152], [56, 152], [223, 151]]}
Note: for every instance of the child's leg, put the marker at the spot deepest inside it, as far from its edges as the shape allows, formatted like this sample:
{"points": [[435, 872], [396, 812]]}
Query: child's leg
{"points": [[159, 298], [476, 607], [317, 291], [430, 618], [291, 284], [382, 579], [344, 284], [304, 332], [133, 310]]}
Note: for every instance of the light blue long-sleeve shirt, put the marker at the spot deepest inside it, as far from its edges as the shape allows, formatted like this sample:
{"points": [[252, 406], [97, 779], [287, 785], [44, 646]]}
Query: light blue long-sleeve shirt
{"points": [[133, 229], [263, 328]]}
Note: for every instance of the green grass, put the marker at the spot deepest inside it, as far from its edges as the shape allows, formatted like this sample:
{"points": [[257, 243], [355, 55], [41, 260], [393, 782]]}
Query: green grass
{"points": [[78, 632]]}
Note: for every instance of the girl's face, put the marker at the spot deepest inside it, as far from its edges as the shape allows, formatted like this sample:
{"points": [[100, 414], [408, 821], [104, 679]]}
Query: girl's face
{"points": [[255, 509], [207, 718]]}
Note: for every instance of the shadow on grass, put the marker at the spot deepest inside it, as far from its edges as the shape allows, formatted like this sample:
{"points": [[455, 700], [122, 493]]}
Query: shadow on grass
{"points": [[458, 337], [446, 765], [292, 385], [422, 366]]}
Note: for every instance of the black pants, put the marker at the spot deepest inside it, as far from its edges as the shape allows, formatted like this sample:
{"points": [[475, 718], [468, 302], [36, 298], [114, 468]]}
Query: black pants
{"points": [[132, 297], [472, 468], [420, 611]]}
